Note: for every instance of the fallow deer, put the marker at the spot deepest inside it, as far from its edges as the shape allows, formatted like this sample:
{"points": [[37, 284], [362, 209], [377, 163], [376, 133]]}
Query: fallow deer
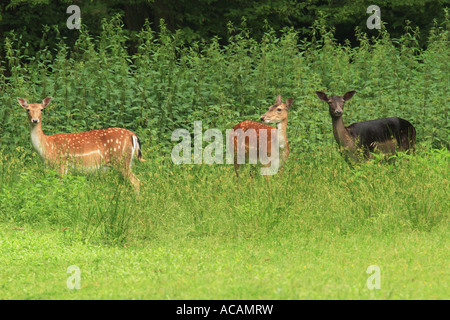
{"points": [[90, 150], [386, 135], [278, 113]]}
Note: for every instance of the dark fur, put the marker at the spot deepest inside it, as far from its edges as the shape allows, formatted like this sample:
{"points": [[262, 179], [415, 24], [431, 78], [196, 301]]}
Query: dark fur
{"points": [[139, 155], [369, 135], [380, 130]]}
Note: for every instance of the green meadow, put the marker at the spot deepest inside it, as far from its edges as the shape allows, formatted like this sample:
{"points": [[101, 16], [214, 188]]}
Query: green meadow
{"points": [[197, 231]]}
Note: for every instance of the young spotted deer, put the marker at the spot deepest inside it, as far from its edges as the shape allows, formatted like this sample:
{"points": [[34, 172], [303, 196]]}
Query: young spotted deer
{"points": [[256, 139], [386, 135], [90, 150]]}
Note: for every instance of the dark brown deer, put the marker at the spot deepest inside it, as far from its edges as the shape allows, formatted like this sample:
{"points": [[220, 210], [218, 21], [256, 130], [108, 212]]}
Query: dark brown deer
{"points": [[384, 135]]}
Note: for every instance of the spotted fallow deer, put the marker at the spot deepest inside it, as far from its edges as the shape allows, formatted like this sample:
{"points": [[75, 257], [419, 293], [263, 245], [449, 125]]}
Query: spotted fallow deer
{"points": [[278, 113], [384, 135], [90, 150]]}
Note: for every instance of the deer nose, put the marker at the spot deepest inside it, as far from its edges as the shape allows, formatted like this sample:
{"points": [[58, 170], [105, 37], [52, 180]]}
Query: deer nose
{"points": [[338, 112], [262, 118], [35, 120]]}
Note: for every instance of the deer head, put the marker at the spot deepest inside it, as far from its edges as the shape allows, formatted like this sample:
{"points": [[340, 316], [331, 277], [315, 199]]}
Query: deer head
{"points": [[336, 103], [278, 112], [34, 110]]}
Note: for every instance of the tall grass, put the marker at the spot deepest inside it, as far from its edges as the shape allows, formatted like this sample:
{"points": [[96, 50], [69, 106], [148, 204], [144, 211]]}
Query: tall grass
{"points": [[165, 85], [312, 196]]}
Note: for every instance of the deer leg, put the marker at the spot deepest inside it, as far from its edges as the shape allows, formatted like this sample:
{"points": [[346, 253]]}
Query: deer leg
{"points": [[62, 169], [125, 169], [266, 176], [128, 175], [134, 181], [236, 167]]}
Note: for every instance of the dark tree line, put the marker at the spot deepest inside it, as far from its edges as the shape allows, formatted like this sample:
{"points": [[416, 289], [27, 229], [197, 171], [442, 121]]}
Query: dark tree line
{"points": [[207, 18]]}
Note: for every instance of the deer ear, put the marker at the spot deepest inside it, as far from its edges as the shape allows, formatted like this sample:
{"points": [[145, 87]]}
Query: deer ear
{"points": [[349, 95], [23, 102], [322, 96], [278, 99], [289, 103], [46, 101]]}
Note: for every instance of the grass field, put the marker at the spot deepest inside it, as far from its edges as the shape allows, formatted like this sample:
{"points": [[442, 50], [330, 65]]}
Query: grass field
{"points": [[196, 232]]}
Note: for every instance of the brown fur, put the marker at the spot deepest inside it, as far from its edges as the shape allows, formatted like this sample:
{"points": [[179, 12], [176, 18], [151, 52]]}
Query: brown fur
{"points": [[84, 150], [278, 113]]}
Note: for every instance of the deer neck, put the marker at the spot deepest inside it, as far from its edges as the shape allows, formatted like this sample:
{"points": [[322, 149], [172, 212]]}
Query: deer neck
{"points": [[341, 134], [282, 140], [38, 139], [282, 135]]}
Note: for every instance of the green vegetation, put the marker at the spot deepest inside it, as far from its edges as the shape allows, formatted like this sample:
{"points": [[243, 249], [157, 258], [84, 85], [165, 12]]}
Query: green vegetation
{"points": [[168, 85], [203, 19], [196, 231]]}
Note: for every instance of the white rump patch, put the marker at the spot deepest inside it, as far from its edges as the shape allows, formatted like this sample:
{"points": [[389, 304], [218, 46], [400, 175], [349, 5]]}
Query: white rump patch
{"points": [[134, 149]]}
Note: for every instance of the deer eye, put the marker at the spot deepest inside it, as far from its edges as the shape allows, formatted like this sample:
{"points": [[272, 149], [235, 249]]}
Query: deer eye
{"points": [[279, 109]]}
